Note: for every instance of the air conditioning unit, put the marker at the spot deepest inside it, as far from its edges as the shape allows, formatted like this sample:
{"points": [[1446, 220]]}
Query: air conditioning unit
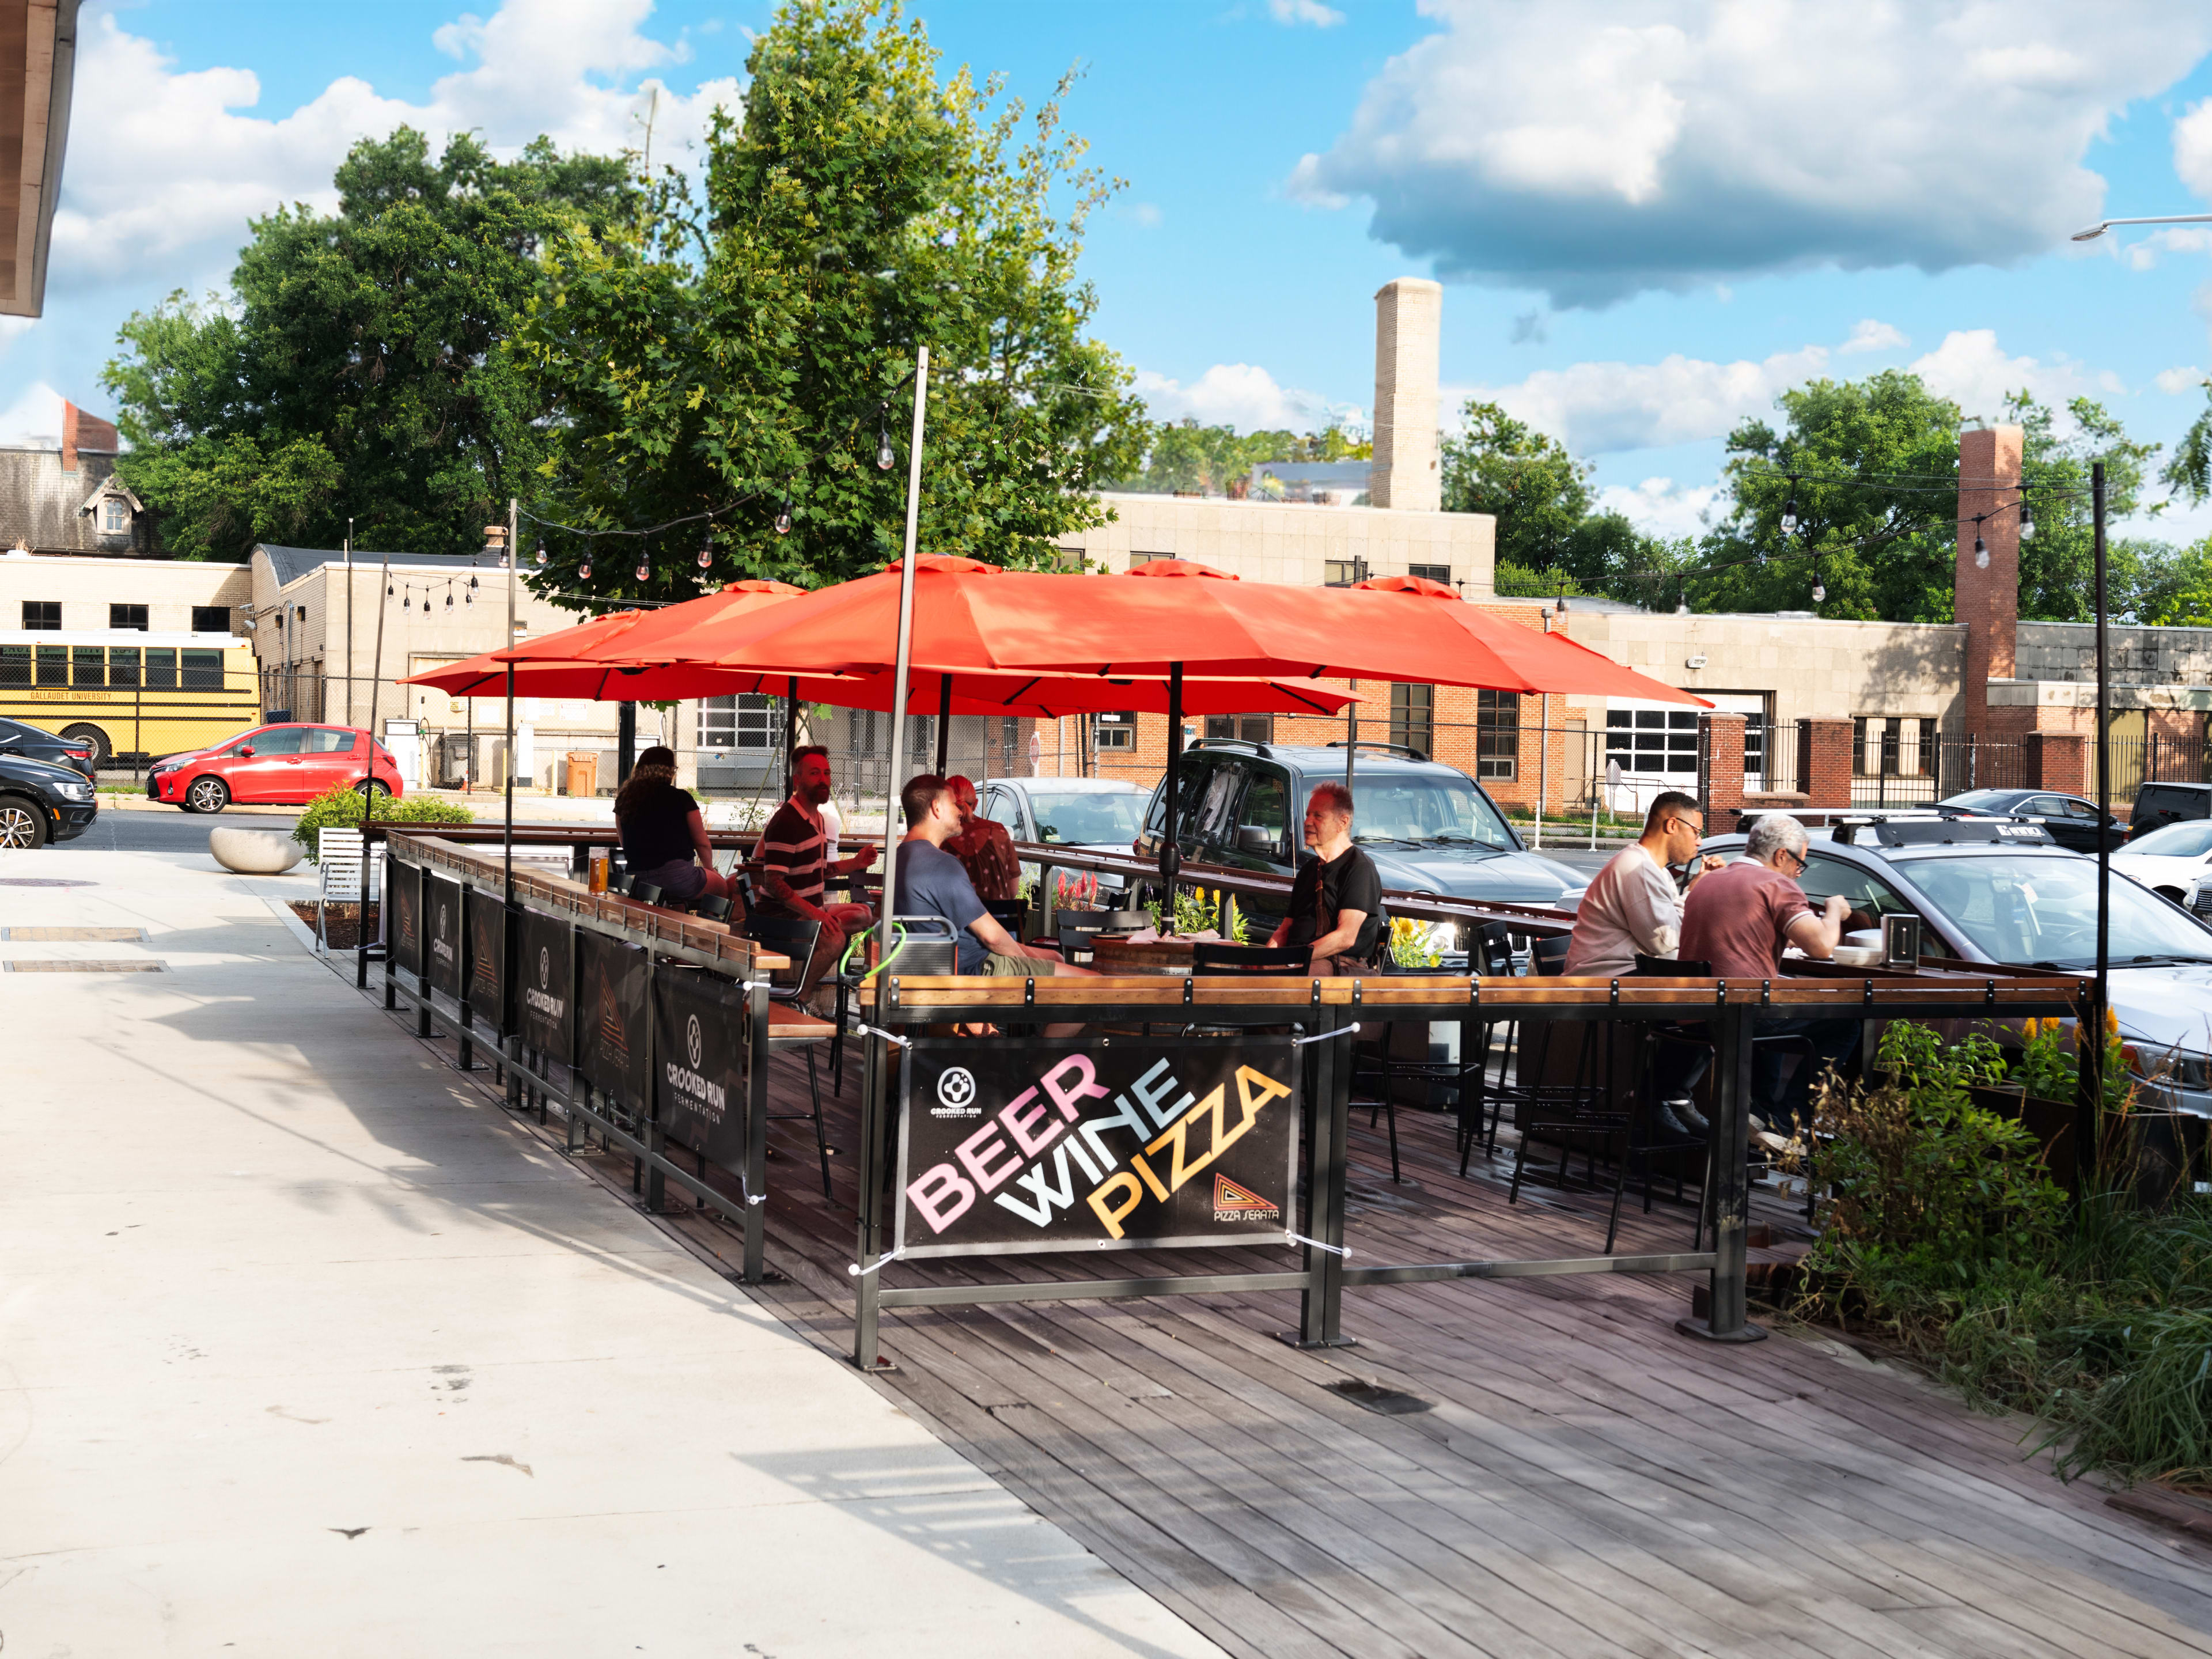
{"points": [[453, 761]]}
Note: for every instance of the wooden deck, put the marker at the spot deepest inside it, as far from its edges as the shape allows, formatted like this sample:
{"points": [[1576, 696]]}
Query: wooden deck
{"points": [[1574, 1477]]}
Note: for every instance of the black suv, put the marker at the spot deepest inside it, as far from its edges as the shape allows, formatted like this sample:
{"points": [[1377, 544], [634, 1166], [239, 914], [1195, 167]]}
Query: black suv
{"points": [[1429, 827], [40, 802], [2158, 805]]}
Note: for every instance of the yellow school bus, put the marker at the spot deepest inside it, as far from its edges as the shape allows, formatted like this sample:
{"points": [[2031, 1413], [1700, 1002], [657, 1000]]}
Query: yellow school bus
{"points": [[127, 692]]}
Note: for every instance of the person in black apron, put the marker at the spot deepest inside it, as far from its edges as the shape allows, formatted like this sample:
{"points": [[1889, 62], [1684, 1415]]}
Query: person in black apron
{"points": [[1336, 902]]}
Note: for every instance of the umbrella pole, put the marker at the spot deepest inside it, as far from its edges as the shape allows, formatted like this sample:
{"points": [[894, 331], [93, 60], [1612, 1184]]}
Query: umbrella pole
{"points": [[944, 719], [1171, 848], [892, 828], [513, 569], [1351, 734], [790, 732]]}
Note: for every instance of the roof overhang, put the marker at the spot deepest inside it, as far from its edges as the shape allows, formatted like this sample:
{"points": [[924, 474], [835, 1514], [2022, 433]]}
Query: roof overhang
{"points": [[38, 62]]}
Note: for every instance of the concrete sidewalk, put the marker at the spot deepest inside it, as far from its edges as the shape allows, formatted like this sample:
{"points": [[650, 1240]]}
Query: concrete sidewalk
{"points": [[307, 1349]]}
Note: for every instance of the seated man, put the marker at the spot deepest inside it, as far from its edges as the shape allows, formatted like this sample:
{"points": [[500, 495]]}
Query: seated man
{"points": [[794, 868], [928, 881], [1740, 918], [1631, 908], [1336, 901], [984, 849]]}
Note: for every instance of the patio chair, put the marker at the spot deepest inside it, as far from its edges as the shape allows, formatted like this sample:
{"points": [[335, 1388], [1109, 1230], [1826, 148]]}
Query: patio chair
{"points": [[797, 938], [1580, 1114]]}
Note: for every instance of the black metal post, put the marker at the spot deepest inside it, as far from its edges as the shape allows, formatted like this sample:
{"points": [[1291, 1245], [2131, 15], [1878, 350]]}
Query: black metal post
{"points": [[625, 741], [757, 1057], [1170, 847], [943, 720], [2091, 1100], [1725, 1319], [790, 735]]}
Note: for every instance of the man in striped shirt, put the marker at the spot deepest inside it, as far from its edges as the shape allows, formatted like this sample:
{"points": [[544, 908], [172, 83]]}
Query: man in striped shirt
{"points": [[794, 866]]}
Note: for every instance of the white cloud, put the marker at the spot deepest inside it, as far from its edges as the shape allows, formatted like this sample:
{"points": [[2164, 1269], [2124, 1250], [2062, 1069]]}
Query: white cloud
{"points": [[1294, 12], [175, 165], [1146, 214], [1973, 371], [1556, 147], [2175, 381], [34, 418], [2192, 148], [1595, 409], [2177, 238], [1660, 507], [1872, 335], [1243, 396]]}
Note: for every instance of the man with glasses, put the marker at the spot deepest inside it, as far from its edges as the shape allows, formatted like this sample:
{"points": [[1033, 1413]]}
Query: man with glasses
{"points": [[1632, 908], [1741, 919]]}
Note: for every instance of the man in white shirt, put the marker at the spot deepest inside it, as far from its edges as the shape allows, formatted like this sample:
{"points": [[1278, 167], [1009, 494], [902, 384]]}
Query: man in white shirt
{"points": [[1632, 908]]}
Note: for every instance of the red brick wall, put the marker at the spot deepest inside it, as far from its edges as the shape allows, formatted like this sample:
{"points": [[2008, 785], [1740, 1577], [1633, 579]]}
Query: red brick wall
{"points": [[1988, 601], [1827, 779], [1723, 780], [2057, 760]]}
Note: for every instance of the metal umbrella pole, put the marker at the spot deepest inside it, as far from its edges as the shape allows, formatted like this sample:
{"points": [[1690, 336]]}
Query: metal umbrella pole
{"points": [[1170, 847], [513, 569], [2088, 1108], [903, 660]]}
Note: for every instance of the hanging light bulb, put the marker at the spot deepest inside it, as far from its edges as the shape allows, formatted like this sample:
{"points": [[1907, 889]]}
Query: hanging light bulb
{"points": [[472, 581], [644, 570], [468, 599], [2026, 520], [1981, 552], [783, 520], [1562, 607], [389, 590], [541, 551], [449, 596], [1682, 601], [1820, 591], [707, 549], [1789, 511], [884, 459], [584, 570]]}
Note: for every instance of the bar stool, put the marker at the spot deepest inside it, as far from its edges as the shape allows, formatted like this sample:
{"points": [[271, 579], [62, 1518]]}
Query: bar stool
{"points": [[1579, 1113]]}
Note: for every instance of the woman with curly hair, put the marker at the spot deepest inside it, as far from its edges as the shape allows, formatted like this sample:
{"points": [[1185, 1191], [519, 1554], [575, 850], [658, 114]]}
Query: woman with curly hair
{"points": [[663, 836]]}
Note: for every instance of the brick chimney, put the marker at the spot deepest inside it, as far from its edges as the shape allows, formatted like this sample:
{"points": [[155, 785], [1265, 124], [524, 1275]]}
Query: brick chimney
{"points": [[83, 431], [1408, 317], [1988, 601]]}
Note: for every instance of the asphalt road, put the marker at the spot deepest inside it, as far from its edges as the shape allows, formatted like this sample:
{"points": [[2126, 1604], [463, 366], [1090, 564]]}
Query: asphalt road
{"points": [[164, 832]]}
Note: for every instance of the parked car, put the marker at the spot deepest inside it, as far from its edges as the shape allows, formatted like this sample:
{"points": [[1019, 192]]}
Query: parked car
{"points": [[42, 802], [2071, 821], [2158, 805], [274, 763], [2171, 860], [36, 743], [1429, 827], [1088, 815], [1998, 892]]}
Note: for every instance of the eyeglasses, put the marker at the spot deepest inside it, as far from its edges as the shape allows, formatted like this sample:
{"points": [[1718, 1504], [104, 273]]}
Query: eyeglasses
{"points": [[1804, 863], [1695, 829]]}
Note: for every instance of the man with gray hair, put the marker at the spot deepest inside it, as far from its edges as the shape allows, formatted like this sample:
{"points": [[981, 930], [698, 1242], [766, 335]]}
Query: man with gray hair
{"points": [[1742, 918], [1336, 902]]}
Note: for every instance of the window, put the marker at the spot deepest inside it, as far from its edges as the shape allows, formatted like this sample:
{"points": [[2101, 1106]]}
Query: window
{"points": [[203, 670], [1342, 572], [1116, 731], [1092, 817], [1267, 808], [54, 664], [1654, 744], [1866, 894], [89, 665], [1212, 823], [161, 670], [1413, 718], [1930, 750], [328, 741], [746, 722], [42, 615], [15, 664], [1888, 746], [123, 666], [279, 739], [127, 616], [210, 619], [1000, 807], [1497, 733], [1246, 728], [1435, 573], [116, 515]]}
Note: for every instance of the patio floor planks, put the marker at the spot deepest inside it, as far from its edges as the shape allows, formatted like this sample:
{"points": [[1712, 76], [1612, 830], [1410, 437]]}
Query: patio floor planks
{"points": [[1585, 1481]]}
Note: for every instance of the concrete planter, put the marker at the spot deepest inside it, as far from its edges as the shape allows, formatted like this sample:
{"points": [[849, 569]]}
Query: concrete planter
{"points": [[254, 851]]}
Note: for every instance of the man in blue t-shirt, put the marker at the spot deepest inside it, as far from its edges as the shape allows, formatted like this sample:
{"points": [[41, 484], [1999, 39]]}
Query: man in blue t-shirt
{"points": [[931, 882]]}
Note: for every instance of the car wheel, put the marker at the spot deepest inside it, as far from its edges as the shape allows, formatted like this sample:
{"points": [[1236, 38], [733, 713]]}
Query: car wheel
{"points": [[206, 795], [2173, 893], [22, 823], [94, 738], [372, 791]]}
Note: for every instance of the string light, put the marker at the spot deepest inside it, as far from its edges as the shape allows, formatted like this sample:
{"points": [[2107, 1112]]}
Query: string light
{"points": [[584, 569], [783, 520], [884, 459], [1819, 590], [644, 570], [1981, 549], [2026, 520], [706, 551], [1789, 511], [541, 550], [449, 596], [1681, 599]]}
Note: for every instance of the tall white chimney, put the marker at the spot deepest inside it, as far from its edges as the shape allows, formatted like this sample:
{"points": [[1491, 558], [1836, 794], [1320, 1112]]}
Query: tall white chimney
{"points": [[1408, 318]]}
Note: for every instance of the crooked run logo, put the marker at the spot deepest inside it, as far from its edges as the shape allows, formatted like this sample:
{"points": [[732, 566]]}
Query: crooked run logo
{"points": [[539, 998], [955, 1094]]}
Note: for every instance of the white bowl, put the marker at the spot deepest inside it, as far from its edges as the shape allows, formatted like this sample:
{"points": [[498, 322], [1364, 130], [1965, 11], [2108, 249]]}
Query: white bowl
{"points": [[1859, 956]]}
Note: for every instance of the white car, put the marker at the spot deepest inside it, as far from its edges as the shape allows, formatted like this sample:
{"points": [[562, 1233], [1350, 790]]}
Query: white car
{"points": [[2171, 861]]}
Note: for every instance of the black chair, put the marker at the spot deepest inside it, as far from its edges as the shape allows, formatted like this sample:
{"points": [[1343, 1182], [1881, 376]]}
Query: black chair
{"points": [[618, 881], [1490, 956], [714, 907], [1012, 915], [1577, 1115], [797, 938], [645, 892], [1210, 958]]}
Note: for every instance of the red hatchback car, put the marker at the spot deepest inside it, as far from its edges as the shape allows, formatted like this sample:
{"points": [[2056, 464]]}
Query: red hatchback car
{"points": [[291, 763]]}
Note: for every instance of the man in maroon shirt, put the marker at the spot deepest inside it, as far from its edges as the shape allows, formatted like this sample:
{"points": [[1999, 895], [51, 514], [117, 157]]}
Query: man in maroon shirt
{"points": [[1739, 919]]}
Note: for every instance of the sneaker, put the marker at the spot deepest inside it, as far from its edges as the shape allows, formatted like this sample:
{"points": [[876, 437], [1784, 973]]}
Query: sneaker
{"points": [[1672, 1126], [1686, 1112]]}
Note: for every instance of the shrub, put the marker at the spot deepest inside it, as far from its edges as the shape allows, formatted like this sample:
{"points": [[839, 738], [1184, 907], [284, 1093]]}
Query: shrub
{"points": [[343, 806]]}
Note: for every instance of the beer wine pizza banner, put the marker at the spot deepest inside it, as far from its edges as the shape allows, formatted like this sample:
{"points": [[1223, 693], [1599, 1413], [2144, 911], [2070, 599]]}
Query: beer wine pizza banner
{"points": [[1103, 1143], [404, 890], [545, 976], [442, 933], [610, 1018]]}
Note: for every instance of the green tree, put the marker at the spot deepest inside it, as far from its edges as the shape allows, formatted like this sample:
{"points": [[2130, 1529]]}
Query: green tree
{"points": [[355, 370], [1539, 493], [745, 354], [1219, 460]]}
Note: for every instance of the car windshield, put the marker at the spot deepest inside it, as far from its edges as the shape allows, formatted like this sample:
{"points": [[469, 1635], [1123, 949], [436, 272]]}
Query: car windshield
{"points": [[2045, 909], [1985, 801], [1082, 817], [2187, 840], [1444, 809]]}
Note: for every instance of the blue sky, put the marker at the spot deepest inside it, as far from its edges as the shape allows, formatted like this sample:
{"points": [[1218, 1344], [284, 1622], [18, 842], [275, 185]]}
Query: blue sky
{"points": [[1650, 218]]}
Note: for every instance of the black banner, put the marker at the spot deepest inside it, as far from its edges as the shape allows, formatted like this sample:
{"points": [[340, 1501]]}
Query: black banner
{"points": [[402, 888], [546, 970], [699, 1064], [610, 1018], [442, 933], [486, 913], [1103, 1143]]}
